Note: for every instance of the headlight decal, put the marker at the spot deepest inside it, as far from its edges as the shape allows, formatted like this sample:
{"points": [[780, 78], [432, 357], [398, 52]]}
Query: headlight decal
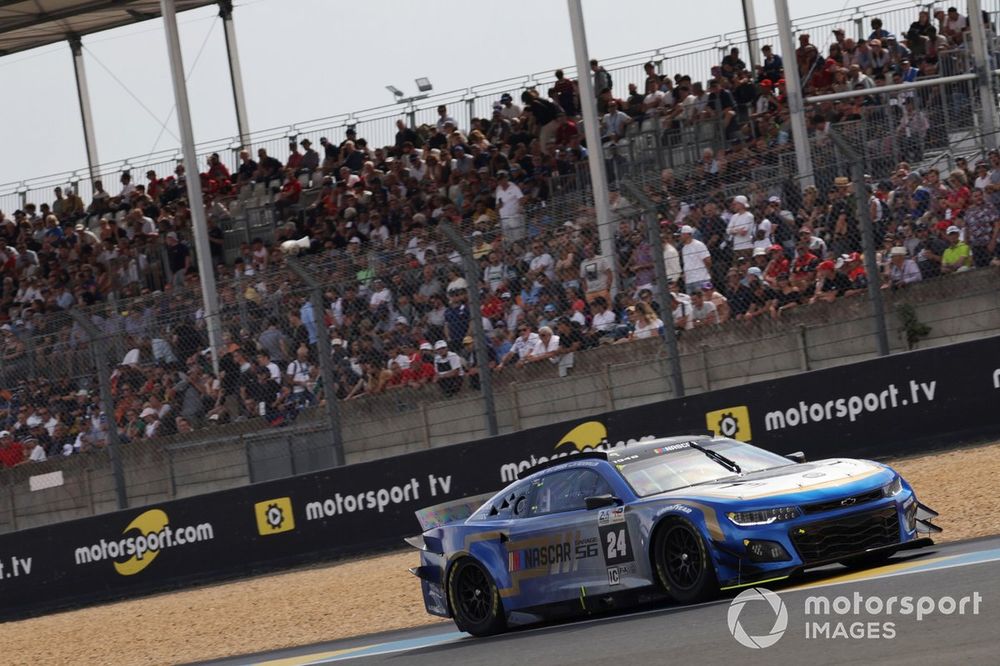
{"points": [[763, 516]]}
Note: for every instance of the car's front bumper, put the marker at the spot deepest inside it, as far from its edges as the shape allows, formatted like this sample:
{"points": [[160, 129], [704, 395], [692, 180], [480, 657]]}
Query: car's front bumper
{"points": [[819, 539]]}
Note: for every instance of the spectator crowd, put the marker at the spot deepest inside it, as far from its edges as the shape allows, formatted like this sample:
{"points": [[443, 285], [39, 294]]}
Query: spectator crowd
{"points": [[367, 222]]}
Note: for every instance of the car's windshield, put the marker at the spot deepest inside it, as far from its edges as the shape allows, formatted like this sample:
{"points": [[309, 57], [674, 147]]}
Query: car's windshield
{"points": [[654, 469]]}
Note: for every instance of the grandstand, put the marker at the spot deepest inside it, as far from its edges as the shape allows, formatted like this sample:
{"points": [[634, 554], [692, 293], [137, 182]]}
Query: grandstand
{"points": [[103, 276]]}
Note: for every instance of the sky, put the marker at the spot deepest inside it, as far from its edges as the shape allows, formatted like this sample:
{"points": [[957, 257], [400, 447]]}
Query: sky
{"points": [[309, 59]]}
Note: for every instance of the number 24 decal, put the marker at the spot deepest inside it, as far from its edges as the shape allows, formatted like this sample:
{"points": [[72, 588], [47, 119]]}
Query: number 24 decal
{"points": [[617, 544]]}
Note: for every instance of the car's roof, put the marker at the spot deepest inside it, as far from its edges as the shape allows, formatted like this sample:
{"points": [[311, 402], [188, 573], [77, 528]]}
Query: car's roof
{"points": [[634, 451]]}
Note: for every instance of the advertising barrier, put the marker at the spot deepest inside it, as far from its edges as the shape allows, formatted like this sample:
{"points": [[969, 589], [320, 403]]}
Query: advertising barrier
{"points": [[899, 404]]}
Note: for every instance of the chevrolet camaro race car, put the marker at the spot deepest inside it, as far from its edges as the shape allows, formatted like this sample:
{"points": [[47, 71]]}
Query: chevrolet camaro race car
{"points": [[680, 518]]}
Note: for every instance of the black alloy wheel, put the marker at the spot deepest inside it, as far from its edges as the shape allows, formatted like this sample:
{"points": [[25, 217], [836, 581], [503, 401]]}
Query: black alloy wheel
{"points": [[475, 600]]}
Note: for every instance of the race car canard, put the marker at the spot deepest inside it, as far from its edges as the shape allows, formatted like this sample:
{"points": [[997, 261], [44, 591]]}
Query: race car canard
{"points": [[678, 518]]}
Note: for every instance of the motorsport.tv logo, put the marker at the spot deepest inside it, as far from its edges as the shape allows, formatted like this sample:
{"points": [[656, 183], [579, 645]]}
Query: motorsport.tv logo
{"points": [[852, 617]]}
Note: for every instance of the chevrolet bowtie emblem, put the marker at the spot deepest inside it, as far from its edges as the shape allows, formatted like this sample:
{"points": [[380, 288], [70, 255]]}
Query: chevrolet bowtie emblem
{"points": [[848, 501]]}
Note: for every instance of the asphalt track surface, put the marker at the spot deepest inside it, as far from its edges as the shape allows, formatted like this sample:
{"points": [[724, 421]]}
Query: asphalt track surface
{"points": [[701, 634]]}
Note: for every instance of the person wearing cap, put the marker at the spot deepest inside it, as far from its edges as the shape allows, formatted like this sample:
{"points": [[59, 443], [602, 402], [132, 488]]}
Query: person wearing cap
{"points": [[449, 373], [957, 257], [830, 283], [696, 260], [310, 158], [753, 298], [901, 271], [741, 228], [776, 263]]}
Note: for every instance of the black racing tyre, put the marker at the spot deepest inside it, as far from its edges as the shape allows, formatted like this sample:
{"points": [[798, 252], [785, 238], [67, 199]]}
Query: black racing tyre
{"points": [[683, 565], [868, 560], [474, 599]]}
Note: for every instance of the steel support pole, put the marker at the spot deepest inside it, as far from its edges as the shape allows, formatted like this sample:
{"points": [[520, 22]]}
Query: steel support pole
{"points": [[235, 75], [796, 110], [209, 295], [332, 406], [750, 27], [984, 72], [867, 240], [86, 115], [662, 285], [592, 130], [99, 354], [471, 269]]}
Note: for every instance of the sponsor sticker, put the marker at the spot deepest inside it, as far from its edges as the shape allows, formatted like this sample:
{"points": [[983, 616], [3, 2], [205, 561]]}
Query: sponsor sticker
{"points": [[611, 516]]}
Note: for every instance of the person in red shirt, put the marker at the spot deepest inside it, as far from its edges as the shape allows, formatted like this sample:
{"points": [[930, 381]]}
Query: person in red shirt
{"points": [[777, 263], [217, 171], [421, 370], [289, 195], [294, 157], [566, 129], [154, 188], [804, 266], [11, 452]]}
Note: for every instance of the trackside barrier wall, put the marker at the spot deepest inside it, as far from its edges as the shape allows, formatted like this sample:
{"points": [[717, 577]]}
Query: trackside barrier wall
{"points": [[903, 403]]}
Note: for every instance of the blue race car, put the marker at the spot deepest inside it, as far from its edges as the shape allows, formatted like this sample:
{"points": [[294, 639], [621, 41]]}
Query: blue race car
{"points": [[680, 518]]}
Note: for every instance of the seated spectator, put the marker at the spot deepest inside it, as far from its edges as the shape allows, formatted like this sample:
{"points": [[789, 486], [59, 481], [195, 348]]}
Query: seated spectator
{"points": [[449, 371]]}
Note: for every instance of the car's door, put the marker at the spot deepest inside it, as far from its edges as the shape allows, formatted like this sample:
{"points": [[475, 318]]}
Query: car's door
{"points": [[558, 549]]}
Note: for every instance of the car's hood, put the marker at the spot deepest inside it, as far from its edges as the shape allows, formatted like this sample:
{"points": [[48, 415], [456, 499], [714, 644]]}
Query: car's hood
{"points": [[832, 474]]}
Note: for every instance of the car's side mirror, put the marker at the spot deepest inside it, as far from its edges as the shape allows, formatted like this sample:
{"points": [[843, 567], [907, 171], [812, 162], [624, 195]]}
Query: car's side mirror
{"points": [[798, 456], [598, 501]]}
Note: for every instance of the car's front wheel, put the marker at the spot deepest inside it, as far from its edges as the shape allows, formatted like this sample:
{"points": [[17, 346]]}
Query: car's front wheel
{"points": [[475, 599], [683, 565]]}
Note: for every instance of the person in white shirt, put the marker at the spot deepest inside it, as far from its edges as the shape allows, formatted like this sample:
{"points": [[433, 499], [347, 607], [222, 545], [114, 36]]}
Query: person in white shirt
{"points": [[495, 272], [508, 199], [380, 294], [697, 260], [541, 261], [647, 324], [603, 319], [596, 274], [545, 348], [671, 260], [741, 228], [523, 345], [448, 368], [703, 313]]}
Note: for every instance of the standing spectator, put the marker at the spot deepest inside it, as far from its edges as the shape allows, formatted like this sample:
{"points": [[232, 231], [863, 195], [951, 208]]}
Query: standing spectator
{"points": [[602, 79], [565, 92], [178, 259], [696, 259], [509, 201], [545, 113], [741, 228], [596, 275]]}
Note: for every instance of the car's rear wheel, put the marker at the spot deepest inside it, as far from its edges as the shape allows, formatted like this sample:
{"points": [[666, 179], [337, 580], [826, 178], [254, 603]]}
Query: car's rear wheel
{"points": [[475, 600], [868, 560], [683, 565]]}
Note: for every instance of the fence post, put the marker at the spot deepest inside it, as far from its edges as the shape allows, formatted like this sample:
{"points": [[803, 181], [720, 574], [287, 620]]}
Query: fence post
{"points": [[99, 352], [867, 241], [662, 286], [802, 342], [325, 358], [471, 271]]}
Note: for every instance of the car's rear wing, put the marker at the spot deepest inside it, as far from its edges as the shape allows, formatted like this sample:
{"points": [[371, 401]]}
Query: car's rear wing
{"points": [[449, 512]]}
